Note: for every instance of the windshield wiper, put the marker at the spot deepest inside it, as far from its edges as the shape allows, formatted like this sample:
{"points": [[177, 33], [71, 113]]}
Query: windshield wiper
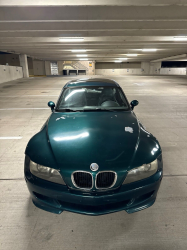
{"points": [[87, 110]]}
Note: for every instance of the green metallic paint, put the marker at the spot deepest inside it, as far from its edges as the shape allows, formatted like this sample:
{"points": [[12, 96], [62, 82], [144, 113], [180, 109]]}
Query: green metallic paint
{"points": [[71, 141], [56, 198], [60, 145], [51, 105], [134, 103]]}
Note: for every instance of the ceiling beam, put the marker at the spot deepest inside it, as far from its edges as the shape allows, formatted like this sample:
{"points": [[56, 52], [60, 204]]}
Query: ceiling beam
{"points": [[171, 58], [99, 13]]}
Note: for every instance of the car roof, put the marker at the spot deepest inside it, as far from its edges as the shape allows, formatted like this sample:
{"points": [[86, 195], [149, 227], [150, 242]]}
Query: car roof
{"points": [[92, 82]]}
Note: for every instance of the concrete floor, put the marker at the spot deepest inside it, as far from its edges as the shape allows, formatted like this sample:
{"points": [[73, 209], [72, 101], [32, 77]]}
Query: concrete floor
{"points": [[163, 111]]}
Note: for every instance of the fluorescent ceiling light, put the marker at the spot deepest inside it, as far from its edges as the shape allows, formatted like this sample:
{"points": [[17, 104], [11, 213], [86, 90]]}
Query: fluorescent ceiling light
{"points": [[83, 59], [69, 39], [146, 50], [121, 59], [117, 61], [82, 55], [78, 50], [131, 54], [180, 38]]}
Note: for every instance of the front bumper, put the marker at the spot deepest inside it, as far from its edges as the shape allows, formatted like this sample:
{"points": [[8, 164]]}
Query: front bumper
{"points": [[56, 198]]}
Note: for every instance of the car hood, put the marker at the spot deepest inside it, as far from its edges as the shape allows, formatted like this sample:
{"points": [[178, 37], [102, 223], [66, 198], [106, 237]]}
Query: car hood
{"points": [[80, 138]]}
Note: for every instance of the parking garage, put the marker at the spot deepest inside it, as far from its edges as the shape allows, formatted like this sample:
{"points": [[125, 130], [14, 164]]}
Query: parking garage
{"points": [[142, 45]]}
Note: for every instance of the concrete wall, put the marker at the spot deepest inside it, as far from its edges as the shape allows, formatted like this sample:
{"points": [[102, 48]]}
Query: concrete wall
{"points": [[11, 59], [39, 68], [123, 65], [9, 73], [118, 72], [155, 69], [173, 71], [109, 68], [89, 66]]}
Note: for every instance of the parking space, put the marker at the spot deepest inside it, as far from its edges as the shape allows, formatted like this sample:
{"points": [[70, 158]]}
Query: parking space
{"points": [[163, 111]]}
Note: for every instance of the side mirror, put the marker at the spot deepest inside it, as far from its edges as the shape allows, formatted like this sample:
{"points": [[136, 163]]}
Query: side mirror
{"points": [[51, 105], [134, 103]]}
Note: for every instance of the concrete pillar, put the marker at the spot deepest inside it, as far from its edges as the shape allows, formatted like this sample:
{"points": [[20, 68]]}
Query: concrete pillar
{"points": [[91, 67], [186, 70], [145, 68], [47, 68], [60, 67], [155, 68], [24, 65]]}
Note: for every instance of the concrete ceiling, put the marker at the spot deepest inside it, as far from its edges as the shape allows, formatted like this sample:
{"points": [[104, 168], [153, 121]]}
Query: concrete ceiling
{"points": [[111, 29]]}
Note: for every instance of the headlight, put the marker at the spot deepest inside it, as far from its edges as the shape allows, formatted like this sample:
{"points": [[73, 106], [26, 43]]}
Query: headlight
{"points": [[46, 173], [142, 172]]}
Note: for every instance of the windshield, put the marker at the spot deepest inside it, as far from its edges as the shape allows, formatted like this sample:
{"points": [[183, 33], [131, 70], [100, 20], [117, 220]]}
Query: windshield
{"points": [[92, 98]]}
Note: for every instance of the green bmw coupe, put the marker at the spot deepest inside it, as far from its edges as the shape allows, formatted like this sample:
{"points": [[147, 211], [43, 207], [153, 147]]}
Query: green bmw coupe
{"points": [[93, 156]]}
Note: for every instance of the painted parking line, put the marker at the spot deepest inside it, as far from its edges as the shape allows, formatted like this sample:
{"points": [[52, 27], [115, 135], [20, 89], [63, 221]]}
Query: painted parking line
{"points": [[139, 84], [22, 108], [28, 95], [11, 138]]}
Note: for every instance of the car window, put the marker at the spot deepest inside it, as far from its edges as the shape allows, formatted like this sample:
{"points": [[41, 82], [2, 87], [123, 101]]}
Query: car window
{"points": [[92, 98]]}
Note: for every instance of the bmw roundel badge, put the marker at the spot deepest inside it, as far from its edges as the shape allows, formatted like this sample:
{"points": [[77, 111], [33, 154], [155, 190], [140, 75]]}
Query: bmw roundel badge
{"points": [[94, 167]]}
